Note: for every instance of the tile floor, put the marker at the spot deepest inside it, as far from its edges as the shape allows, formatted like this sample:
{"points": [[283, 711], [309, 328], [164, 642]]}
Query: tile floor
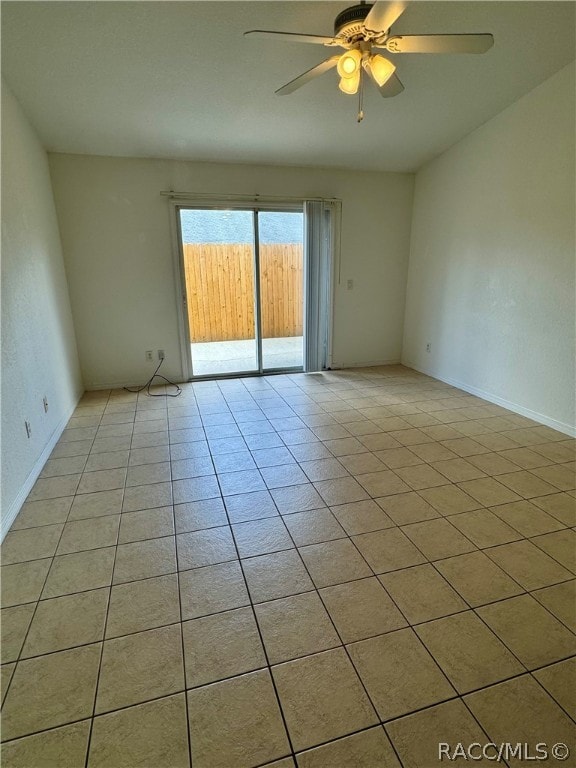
{"points": [[325, 571]]}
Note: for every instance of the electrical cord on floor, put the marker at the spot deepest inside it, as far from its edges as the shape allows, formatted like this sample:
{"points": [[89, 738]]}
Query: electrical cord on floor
{"points": [[149, 384]]}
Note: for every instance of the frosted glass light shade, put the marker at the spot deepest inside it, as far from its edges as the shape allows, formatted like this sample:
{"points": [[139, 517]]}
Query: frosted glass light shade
{"points": [[349, 63], [350, 85], [381, 69]]}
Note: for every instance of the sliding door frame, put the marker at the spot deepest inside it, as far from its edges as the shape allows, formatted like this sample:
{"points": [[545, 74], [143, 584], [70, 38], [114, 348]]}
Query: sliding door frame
{"points": [[177, 205]]}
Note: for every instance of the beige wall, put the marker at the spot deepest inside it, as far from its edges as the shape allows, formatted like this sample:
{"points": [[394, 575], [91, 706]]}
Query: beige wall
{"points": [[39, 356], [115, 230], [491, 274]]}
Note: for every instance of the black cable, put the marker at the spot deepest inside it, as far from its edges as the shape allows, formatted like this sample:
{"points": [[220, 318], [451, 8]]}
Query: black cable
{"points": [[149, 384]]}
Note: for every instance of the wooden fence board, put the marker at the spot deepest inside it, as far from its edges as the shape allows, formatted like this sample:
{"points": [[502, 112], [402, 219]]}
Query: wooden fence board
{"points": [[220, 290]]}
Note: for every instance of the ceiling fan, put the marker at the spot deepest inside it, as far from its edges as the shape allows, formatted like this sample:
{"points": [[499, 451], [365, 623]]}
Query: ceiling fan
{"points": [[363, 28]]}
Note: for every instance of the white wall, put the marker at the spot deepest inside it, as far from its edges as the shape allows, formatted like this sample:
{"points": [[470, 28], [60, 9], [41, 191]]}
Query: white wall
{"points": [[116, 237], [38, 345], [491, 274]]}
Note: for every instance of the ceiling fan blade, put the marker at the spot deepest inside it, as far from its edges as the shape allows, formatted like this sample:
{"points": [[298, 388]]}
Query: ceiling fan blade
{"points": [[305, 77], [294, 37], [439, 43], [392, 87], [383, 15]]}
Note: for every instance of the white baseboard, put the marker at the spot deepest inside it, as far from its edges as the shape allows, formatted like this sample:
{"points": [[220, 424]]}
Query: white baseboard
{"points": [[369, 364], [9, 516], [541, 418]]}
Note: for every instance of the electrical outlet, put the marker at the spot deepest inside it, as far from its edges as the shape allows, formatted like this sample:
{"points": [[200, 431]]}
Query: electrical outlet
{"points": [[45, 404], [149, 356], [428, 347], [350, 284], [161, 354], [28, 428]]}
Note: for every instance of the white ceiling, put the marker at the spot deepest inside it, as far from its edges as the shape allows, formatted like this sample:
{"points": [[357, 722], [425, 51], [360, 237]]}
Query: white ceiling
{"points": [[179, 80]]}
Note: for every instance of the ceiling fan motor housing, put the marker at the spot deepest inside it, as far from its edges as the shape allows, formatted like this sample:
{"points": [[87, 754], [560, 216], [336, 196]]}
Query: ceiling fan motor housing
{"points": [[350, 21]]}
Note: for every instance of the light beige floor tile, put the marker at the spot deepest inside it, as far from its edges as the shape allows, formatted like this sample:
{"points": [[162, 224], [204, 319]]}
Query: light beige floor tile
{"points": [[526, 484], [360, 463], [526, 518], [14, 623], [96, 504], [46, 512], [520, 711], [144, 559], [208, 547], [322, 698], [558, 451], [388, 550], [438, 539], [366, 749], [430, 452], [525, 458], [54, 487], [142, 605], [340, 491], [295, 626], [314, 526], [421, 476], [408, 437], [146, 524], [147, 474], [334, 562], [529, 630], [346, 446], [361, 609], [458, 470], [562, 506], [64, 622], [110, 460], [77, 448], [493, 464], [324, 469], [394, 458], [30, 544], [488, 491], [152, 734], [23, 582], [297, 498], [528, 565], [559, 680], [95, 533], [561, 476], [151, 455], [252, 506], [361, 517], [102, 480], [422, 594], [59, 748], [484, 528], [465, 446], [449, 500], [79, 572], [561, 601], [199, 515], [215, 588], [140, 667], [61, 687], [416, 737], [259, 537], [470, 655], [6, 672], [71, 465], [279, 574], [383, 483], [478, 579], [148, 496], [223, 645], [399, 673], [405, 508], [561, 546], [236, 723]]}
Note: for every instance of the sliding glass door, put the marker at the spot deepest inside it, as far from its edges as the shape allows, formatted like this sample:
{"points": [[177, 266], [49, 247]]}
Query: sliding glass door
{"points": [[243, 273]]}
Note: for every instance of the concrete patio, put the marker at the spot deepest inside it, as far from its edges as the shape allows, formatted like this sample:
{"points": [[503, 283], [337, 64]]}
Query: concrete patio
{"points": [[219, 357]]}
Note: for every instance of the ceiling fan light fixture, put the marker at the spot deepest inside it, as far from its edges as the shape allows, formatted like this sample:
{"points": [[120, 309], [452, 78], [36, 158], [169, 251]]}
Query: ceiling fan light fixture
{"points": [[350, 85], [381, 69], [349, 63]]}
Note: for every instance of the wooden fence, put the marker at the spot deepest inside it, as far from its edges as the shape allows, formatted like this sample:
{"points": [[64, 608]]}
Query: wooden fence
{"points": [[220, 290]]}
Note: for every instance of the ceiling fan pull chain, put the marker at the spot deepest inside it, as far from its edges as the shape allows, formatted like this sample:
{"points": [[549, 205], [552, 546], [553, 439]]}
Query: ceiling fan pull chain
{"points": [[361, 98]]}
